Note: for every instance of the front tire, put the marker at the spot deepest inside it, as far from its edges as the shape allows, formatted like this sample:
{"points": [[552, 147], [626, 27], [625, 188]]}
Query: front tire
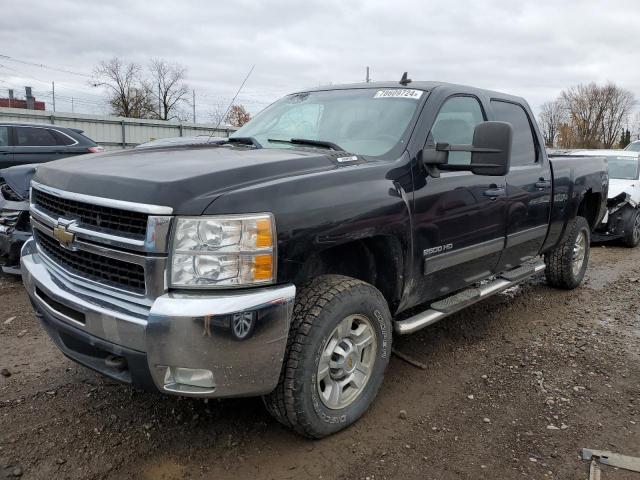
{"points": [[567, 263], [338, 349]]}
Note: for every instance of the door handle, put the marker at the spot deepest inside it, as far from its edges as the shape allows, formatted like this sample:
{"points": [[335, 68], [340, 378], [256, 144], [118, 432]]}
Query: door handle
{"points": [[542, 184], [494, 193]]}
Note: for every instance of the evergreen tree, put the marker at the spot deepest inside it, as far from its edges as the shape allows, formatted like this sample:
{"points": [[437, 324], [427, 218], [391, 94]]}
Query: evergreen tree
{"points": [[625, 138]]}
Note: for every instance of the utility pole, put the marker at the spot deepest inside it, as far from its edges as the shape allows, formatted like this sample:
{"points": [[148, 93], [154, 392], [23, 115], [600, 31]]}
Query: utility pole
{"points": [[72, 105], [367, 79], [194, 106], [53, 87], [159, 103]]}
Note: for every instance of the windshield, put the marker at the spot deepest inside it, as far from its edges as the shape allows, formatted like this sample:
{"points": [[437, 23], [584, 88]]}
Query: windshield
{"points": [[633, 147], [359, 121], [623, 168]]}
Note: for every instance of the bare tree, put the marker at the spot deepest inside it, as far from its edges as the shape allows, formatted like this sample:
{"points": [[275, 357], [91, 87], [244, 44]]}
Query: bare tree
{"points": [[552, 115], [619, 103], [594, 115], [238, 116], [217, 114], [168, 78], [585, 108], [128, 94]]}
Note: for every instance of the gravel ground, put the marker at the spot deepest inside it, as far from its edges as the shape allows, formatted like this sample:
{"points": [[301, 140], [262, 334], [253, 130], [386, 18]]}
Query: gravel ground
{"points": [[513, 388]]}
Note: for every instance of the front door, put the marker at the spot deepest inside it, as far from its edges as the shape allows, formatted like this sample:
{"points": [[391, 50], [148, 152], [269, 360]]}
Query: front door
{"points": [[459, 218]]}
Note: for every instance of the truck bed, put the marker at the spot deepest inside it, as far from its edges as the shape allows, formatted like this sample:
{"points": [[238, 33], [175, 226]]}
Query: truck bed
{"points": [[574, 178]]}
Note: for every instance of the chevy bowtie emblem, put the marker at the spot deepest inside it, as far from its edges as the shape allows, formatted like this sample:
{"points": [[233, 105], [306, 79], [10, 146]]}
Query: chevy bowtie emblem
{"points": [[63, 235]]}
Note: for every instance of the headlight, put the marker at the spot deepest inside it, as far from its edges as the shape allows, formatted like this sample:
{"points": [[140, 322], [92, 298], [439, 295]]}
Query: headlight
{"points": [[229, 250]]}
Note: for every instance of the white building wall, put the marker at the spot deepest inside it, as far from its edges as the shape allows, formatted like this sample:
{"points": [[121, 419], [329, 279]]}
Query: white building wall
{"points": [[114, 132]]}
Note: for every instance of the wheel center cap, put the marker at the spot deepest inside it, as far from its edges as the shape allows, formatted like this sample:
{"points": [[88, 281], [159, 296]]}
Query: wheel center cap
{"points": [[350, 362]]}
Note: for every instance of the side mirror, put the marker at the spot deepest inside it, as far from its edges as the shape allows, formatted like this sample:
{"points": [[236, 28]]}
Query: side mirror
{"points": [[490, 151], [491, 154]]}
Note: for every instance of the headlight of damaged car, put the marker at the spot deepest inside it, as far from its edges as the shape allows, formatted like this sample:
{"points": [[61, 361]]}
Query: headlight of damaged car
{"points": [[229, 250]]}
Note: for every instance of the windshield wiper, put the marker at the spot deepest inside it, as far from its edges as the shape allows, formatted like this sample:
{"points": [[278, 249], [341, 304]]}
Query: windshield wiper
{"points": [[245, 141], [307, 141]]}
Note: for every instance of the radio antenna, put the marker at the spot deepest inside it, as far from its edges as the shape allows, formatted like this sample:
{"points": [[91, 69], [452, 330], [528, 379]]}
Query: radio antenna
{"points": [[231, 103], [405, 80]]}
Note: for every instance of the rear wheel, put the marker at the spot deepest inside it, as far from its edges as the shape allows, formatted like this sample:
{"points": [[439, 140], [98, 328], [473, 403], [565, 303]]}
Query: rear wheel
{"points": [[567, 263], [632, 229], [338, 349]]}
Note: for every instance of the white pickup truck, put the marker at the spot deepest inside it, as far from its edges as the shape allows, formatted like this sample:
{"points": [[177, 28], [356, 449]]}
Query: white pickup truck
{"points": [[622, 220]]}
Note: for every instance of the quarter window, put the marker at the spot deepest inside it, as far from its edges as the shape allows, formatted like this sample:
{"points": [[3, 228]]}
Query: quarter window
{"points": [[523, 150], [455, 124], [34, 137], [63, 139]]}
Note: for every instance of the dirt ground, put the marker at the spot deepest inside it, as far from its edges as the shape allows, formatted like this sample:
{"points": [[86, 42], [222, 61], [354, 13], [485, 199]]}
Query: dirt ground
{"points": [[513, 388]]}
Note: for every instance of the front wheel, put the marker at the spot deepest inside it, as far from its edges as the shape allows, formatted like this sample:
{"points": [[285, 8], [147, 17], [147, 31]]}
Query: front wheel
{"points": [[338, 349], [567, 263], [631, 236]]}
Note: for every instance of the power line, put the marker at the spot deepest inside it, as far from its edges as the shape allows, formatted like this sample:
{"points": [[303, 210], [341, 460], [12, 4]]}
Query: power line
{"points": [[42, 65]]}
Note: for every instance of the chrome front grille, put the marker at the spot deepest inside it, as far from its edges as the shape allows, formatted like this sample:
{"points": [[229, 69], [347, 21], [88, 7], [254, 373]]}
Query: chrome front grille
{"points": [[105, 270], [106, 219], [113, 247]]}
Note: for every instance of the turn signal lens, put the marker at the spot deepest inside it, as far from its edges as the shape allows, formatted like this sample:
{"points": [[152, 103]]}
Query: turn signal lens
{"points": [[265, 237], [262, 268]]}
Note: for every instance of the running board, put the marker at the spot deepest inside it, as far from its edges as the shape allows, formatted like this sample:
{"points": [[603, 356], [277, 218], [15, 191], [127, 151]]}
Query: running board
{"points": [[443, 308]]}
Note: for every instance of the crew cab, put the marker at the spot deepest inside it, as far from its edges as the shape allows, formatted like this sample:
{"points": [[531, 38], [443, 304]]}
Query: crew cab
{"points": [[281, 263]]}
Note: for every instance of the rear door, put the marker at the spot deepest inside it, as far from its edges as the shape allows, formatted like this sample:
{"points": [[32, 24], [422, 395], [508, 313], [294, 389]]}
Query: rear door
{"points": [[35, 145], [528, 187], [6, 147], [459, 218]]}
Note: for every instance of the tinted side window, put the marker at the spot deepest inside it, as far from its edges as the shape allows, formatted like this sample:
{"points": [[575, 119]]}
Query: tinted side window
{"points": [[63, 139], [523, 151], [455, 124], [34, 137], [4, 136]]}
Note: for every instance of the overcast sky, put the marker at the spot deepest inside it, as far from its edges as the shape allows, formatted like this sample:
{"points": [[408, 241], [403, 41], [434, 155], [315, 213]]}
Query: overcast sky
{"points": [[533, 49]]}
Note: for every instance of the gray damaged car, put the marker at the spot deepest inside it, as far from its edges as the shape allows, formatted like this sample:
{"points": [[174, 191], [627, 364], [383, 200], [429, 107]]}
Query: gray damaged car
{"points": [[15, 228]]}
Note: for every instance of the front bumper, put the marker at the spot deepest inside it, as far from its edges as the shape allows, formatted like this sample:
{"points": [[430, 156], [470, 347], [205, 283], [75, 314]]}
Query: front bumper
{"points": [[184, 344]]}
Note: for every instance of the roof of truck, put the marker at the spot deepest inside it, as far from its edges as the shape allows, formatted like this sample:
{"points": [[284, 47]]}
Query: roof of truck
{"points": [[414, 85]]}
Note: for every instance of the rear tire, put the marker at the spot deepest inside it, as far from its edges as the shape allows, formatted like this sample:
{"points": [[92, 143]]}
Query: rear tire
{"points": [[567, 263], [338, 349], [631, 236]]}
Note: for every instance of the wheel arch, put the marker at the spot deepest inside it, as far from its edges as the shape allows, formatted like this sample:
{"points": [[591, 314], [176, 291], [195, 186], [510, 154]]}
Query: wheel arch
{"points": [[377, 260]]}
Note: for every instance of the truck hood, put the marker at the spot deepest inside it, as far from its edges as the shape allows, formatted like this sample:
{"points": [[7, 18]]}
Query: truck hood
{"points": [[186, 179]]}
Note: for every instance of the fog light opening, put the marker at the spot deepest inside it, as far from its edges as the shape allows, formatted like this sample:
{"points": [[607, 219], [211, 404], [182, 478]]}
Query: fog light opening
{"points": [[188, 377]]}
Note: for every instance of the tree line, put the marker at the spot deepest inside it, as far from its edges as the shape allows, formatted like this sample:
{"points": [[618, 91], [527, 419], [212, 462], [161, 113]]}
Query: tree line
{"points": [[588, 116], [157, 91]]}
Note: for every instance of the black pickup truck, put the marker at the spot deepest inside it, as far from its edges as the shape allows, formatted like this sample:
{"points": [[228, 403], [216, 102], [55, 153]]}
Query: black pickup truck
{"points": [[282, 262]]}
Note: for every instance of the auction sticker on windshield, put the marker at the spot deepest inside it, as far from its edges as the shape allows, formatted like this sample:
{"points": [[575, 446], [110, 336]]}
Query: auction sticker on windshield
{"points": [[398, 93]]}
